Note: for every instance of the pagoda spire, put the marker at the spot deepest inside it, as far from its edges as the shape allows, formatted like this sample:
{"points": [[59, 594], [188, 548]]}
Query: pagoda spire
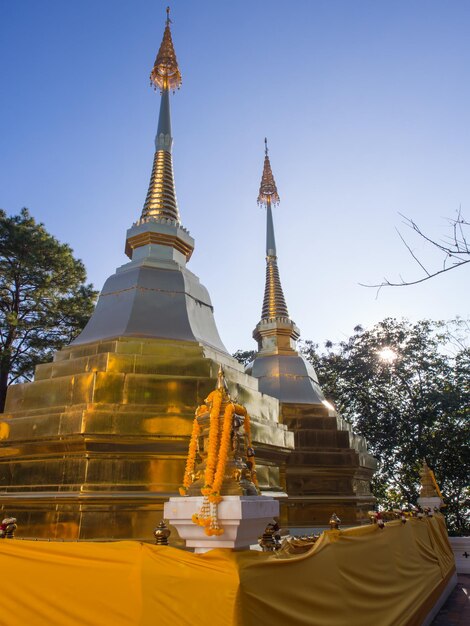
{"points": [[161, 196], [274, 303], [159, 227], [275, 333]]}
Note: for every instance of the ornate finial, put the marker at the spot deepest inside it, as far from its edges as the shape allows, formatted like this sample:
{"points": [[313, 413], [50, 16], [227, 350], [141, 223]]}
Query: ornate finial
{"points": [[268, 190], [334, 522], [161, 534], [270, 539], [165, 73], [221, 382]]}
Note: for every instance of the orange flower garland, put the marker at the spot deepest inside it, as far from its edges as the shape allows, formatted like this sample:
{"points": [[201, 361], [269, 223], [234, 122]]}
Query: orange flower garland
{"points": [[216, 398], [240, 410], [218, 450], [191, 460], [223, 454], [207, 515], [201, 409]]}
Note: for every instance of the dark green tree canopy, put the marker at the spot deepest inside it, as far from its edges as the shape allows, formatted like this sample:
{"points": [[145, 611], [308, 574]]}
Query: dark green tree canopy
{"points": [[406, 388], [245, 356], [44, 301]]}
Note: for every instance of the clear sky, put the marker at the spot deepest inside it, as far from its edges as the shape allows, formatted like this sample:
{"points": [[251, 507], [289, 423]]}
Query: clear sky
{"points": [[365, 105]]}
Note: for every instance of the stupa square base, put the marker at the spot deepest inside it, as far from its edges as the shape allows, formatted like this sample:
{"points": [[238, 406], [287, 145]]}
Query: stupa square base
{"points": [[97, 443], [243, 519]]}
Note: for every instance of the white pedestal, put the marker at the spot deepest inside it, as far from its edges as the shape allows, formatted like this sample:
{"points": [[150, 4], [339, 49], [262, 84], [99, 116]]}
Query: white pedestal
{"points": [[243, 518], [433, 503]]}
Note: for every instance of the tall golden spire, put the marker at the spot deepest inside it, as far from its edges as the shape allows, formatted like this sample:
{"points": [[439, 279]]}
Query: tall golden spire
{"points": [[161, 199], [161, 202], [159, 226], [274, 304]]}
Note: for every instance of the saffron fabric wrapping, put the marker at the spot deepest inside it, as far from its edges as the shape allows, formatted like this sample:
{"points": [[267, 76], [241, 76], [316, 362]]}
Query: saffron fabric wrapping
{"points": [[355, 577]]}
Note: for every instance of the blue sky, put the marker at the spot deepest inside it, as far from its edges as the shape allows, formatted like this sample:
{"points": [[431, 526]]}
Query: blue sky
{"points": [[365, 105]]}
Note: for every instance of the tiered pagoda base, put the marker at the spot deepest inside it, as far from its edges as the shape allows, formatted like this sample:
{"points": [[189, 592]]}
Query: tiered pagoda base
{"points": [[329, 471], [97, 443]]}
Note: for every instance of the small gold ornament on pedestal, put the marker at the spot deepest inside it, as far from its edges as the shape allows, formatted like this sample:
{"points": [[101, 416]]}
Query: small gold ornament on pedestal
{"points": [[334, 522], [270, 539], [161, 534]]}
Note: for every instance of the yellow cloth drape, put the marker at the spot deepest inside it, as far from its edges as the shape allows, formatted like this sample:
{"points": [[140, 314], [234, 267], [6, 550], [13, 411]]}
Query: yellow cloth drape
{"points": [[357, 577]]}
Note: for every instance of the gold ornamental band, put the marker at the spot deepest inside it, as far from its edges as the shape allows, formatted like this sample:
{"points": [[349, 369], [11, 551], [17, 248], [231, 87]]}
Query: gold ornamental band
{"points": [[158, 238]]}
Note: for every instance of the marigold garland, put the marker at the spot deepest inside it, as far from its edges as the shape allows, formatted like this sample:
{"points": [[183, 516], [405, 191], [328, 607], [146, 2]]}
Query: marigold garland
{"points": [[207, 515], [218, 449], [215, 496], [216, 398], [240, 410], [191, 460]]}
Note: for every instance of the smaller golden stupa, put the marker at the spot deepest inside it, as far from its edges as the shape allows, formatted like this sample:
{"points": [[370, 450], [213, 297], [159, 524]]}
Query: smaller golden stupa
{"points": [[429, 486], [330, 468]]}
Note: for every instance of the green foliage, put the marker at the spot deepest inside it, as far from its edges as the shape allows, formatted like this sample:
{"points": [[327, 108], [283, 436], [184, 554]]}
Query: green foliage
{"points": [[413, 406], [244, 356], [44, 301]]}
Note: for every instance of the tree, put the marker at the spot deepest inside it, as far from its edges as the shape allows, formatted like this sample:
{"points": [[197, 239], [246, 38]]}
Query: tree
{"points": [[406, 388], [44, 301], [244, 356], [454, 251]]}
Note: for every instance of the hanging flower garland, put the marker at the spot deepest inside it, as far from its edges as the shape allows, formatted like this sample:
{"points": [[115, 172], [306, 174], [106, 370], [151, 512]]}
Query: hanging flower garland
{"points": [[218, 449], [250, 453], [207, 514], [223, 454], [216, 398], [191, 460]]}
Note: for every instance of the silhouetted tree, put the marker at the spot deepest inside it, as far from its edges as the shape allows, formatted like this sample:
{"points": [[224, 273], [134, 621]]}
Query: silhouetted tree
{"points": [[44, 301]]}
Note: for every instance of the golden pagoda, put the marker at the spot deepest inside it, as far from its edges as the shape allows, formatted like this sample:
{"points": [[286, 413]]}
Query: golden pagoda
{"points": [[330, 469], [429, 487], [93, 447]]}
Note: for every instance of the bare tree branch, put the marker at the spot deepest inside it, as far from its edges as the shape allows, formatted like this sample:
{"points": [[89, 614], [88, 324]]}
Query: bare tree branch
{"points": [[412, 253], [456, 251]]}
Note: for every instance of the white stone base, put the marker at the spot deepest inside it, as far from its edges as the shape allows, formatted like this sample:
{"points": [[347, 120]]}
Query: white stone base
{"points": [[432, 503], [461, 547], [243, 518]]}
